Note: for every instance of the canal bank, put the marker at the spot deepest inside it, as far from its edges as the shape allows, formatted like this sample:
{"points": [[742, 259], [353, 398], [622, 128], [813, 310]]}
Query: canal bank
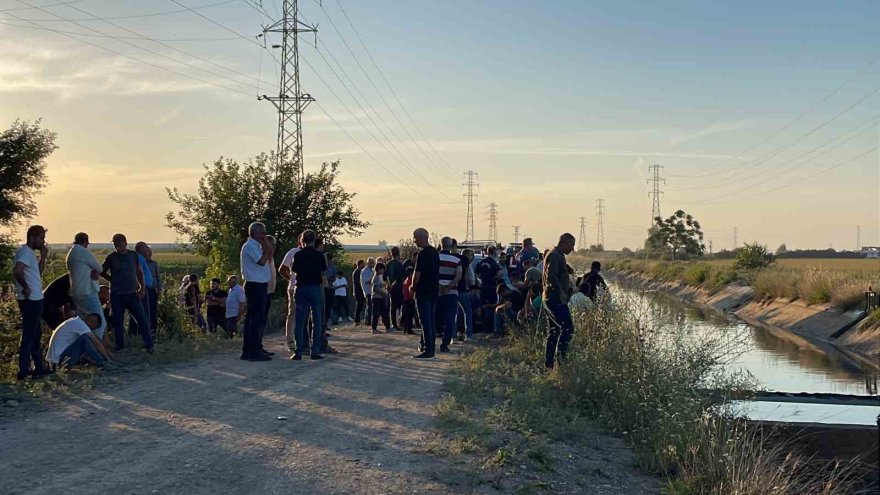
{"points": [[819, 327]]}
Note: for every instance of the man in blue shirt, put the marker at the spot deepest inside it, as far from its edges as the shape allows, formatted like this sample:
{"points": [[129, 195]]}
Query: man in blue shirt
{"points": [[147, 302]]}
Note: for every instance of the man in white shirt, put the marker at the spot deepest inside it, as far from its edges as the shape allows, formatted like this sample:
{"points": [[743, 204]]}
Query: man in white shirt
{"points": [[84, 271], [284, 269], [74, 339], [256, 272], [235, 305], [26, 271], [367, 284]]}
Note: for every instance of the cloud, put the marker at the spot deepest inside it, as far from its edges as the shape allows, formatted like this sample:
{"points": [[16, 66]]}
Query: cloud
{"points": [[167, 116]]}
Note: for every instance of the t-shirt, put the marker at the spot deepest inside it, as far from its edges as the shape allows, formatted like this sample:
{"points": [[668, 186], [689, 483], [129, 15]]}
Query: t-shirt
{"points": [[378, 286], [25, 255], [488, 270], [308, 264], [517, 300], [340, 287], [407, 289], [449, 265], [531, 254], [216, 310], [191, 296], [428, 268], [66, 333], [593, 285], [56, 293], [288, 262], [123, 271], [366, 280], [251, 270], [356, 282], [234, 299], [465, 275], [148, 274], [80, 263], [395, 273]]}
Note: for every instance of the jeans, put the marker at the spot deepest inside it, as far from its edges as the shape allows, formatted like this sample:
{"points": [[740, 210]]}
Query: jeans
{"points": [[427, 307], [91, 304], [409, 314], [561, 329], [396, 305], [133, 328], [215, 322], [340, 306], [329, 307], [359, 307], [380, 305], [121, 302], [467, 311], [29, 348], [447, 308], [231, 326], [256, 295], [153, 294], [369, 316], [308, 301], [74, 352]]}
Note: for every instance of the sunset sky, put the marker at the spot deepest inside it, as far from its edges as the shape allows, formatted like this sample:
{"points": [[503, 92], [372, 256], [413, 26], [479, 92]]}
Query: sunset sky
{"points": [[765, 115]]}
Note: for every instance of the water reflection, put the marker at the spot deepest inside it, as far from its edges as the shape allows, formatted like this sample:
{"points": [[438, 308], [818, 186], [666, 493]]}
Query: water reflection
{"points": [[777, 364]]}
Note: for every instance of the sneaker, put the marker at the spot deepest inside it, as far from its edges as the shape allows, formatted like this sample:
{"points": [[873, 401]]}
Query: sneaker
{"points": [[296, 357], [424, 355], [461, 337], [444, 348], [315, 357]]}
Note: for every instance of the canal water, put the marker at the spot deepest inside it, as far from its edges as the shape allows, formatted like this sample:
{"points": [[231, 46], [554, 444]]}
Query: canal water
{"points": [[778, 365]]}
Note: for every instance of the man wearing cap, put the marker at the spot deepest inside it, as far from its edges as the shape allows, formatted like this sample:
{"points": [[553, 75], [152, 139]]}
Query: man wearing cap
{"points": [[26, 271]]}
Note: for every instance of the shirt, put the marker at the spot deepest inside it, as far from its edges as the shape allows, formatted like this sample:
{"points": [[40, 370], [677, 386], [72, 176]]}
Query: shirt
{"points": [[356, 283], [148, 275], [234, 299], [428, 268], [65, 335], [531, 254], [367, 281], [593, 285], [154, 270], [288, 262], [378, 286], [80, 263], [251, 271], [449, 266], [339, 287], [556, 280], [407, 289], [217, 310], [123, 271], [467, 274], [308, 264], [488, 271], [395, 273], [56, 293], [25, 255]]}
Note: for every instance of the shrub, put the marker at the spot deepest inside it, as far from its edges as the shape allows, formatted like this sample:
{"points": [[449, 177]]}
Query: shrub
{"points": [[753, 257], [697, 274]]}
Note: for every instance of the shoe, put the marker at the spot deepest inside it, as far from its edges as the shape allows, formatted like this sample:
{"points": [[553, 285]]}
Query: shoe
{"points": [[21, 377], [424, 355], [296, 357], [261, 357], [375, 332], [291, 346], [315, 357], [108, 366], [444, 348], [42, 372], [330, 350], [328, 335], [267, 353]]}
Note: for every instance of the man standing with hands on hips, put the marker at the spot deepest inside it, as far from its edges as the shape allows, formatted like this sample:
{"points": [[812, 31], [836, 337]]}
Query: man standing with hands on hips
{"points": [[256, 272]]}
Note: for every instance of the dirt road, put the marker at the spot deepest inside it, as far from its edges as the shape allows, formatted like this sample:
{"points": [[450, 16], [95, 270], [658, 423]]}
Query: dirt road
{"points": [[355, 423]]}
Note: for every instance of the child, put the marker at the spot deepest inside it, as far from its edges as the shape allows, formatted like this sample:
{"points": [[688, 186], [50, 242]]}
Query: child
{"points": [[409, 302], [380, 299], [235, 305], [340, 297]]}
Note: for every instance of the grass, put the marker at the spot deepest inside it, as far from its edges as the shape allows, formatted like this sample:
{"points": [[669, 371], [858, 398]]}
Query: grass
{"points": [[637, 382]]}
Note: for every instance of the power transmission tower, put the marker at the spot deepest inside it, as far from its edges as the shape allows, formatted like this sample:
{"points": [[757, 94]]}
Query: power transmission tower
{"points": [[600, 226], [291, 101], [656, 179], [582, 236], [735, 235], [516, 233], [858, 237], [493, 222], [710, 248], [471, 184]]}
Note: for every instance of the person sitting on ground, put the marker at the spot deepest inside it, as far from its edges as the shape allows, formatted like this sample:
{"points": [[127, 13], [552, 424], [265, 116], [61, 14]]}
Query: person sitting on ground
{"points": [[379, 299], [74, 339], [215, 301], [510, 304], [235, 305]]}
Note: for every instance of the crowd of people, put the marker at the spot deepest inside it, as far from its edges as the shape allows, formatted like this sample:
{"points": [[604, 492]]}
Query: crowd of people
{"points": [[447, 292]]}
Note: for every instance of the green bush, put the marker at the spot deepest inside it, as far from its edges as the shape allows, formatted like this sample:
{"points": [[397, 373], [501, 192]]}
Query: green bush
{"points": [[697, 274], [753, 257]]}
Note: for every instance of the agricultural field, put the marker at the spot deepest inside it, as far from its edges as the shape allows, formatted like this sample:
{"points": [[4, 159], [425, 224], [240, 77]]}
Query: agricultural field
{"points": [[835, 264]]}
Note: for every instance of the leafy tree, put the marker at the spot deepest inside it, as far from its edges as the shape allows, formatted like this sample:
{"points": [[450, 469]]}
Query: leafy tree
{"points": [[231, 195], [753, 257], [680, 235], [407, 248], [596, 248], [24, 148], [782, 249], [627, 252]]}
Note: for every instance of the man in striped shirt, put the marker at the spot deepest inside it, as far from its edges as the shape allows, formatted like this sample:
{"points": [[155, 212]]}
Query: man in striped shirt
{"points": [[447, 305]]}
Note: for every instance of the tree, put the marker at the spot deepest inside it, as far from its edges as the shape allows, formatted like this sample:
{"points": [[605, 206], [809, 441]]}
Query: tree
{"points": [[782, 249], [24, 148], [678, 234], [596, 248], [231, 195], [753, 257], [407, 248], [627, 252]]}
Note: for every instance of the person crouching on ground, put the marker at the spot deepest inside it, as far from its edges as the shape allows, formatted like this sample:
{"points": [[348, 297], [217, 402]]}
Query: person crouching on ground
{"points": [[74, 339]]}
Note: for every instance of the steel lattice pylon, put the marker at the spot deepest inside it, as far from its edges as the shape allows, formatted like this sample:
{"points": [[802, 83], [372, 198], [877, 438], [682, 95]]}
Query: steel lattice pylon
{"points": [[291, 101]]}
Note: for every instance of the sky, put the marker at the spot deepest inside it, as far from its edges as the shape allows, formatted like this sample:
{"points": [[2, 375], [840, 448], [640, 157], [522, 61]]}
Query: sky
{"points": [[764, 115]]}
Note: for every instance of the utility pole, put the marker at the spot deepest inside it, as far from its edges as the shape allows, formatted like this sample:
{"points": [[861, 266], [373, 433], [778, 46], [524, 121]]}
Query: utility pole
{"points": [[291, 101], [655, 194], [582, 236], [471, 185], [735, 234], [516, 233], [600, 226], [710, 248], [858, 238], [493, 222]]}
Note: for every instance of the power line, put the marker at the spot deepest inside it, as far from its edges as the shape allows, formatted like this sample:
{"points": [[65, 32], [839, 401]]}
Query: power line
{"points": [[170, 40], [114, 18], [789, 124], [222, 26], [471, 184], [56, 4]]}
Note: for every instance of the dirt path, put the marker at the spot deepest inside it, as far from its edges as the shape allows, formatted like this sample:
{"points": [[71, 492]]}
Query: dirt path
{"points": [[357, 422]]}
